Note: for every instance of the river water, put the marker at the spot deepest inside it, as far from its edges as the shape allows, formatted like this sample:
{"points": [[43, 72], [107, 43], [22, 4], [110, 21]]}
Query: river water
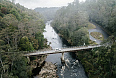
{"points": [[97, 29], [73, 69]]}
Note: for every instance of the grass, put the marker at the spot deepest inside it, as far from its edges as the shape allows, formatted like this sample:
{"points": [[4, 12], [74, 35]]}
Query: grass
{"points": [[97, 35], [92, 42], [91, 26]]}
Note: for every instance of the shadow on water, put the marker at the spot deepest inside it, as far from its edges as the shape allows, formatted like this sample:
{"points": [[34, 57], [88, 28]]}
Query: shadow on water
{"points": [[72, 68]]}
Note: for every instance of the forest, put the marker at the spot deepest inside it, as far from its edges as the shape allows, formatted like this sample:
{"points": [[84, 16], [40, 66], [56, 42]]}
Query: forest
{"points": [[48, 13], [21, 29], [72, 24]]}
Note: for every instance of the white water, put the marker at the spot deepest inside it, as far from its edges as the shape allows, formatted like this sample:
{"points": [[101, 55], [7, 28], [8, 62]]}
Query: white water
{"points": [[72, 69]]}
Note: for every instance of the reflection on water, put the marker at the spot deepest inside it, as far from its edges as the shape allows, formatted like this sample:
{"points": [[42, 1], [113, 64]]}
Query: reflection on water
{"points": [[72, 69]]}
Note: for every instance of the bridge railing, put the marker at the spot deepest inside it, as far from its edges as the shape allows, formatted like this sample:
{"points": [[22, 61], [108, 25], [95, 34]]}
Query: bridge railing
{"points": [[78, 46], [43, 50]]}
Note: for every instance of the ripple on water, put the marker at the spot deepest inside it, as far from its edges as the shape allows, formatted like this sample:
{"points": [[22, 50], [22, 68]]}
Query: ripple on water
{"points": [[72, 69]]}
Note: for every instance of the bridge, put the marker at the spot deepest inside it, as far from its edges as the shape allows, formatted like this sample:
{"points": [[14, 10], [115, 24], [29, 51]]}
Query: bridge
{"points": [[62, 50]]}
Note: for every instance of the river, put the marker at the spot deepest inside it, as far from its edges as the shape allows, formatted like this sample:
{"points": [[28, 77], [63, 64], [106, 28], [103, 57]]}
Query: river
{"points": [[74, 69], [97, 29]]}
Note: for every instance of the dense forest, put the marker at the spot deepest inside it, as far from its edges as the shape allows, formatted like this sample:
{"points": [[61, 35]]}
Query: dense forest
{"points": [[72, 24], [21, 29], [103, 12], [48, 13]]}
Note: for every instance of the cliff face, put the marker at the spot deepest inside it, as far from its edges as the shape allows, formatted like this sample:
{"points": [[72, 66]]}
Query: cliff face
{"points": [[41, 68]]}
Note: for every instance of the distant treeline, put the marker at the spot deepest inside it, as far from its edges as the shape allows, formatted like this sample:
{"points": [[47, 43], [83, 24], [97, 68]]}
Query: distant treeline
{"points": [[48, 13]]}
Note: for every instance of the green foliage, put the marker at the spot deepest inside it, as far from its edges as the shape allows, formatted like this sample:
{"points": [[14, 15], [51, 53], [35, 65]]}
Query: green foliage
{"points": [[10, 19], [97, 35], [3, 10], [18, 28], [80, 37], [48, 13], [103, 12], [14, 66], [1, 14], [2, 42], [39, 36], [65, 32], [25, 45], [34, 43], [69, 21], [99, 62], [14, 12], [19, 67], [17, 21]]}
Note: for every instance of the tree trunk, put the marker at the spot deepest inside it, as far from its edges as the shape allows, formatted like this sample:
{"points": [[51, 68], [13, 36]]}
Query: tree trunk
{"points": [[8, 39], [1, 75], [1, 60]]}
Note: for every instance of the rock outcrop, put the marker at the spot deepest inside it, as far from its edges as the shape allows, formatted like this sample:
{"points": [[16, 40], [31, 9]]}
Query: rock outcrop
{"points": [[48, 71]]}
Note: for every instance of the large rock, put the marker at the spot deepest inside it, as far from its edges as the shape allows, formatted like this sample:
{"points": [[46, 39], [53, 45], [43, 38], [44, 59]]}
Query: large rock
{"points": [[48, 71]]}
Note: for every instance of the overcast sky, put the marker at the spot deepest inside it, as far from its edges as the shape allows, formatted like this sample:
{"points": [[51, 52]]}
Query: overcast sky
{"points": [[32, 4]]}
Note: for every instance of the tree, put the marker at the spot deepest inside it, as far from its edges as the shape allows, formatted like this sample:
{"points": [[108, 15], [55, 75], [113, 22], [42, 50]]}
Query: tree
{"points": [[25, 45], [15, 13], [40, 39], [19, 67], [4, 10], [10, 19]]}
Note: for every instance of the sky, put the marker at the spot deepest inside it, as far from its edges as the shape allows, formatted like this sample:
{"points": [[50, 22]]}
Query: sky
{"points": [[32, 4]]}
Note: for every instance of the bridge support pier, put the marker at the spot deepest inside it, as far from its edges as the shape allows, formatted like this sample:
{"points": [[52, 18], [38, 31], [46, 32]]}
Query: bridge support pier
{"points": [[28, 59], [62, 58]]}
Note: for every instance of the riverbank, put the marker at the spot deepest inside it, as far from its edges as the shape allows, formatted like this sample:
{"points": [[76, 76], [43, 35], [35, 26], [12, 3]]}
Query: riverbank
{"points": [[91, 26], [69, 71], [43, 69], [48, 71], [98, 62], [94, 61]]}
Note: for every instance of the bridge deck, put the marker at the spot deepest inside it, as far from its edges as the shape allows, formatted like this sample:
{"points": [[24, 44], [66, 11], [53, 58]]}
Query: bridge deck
{"points": [[62, 50]]}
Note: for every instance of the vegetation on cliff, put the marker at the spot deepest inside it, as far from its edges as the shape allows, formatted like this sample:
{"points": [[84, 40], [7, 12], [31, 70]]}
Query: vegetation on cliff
{"points": [[103, 12], [72, 22], [99, 62], [20, 30]]}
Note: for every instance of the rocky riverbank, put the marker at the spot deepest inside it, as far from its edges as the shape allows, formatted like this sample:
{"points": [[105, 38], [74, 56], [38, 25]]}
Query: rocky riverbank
{"points": [[48, 71], [41, 68]]}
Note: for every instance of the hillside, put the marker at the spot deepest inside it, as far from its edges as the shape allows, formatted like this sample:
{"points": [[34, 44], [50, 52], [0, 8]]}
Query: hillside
{"points": [[21, 29], [48, 13], [72, 23]]}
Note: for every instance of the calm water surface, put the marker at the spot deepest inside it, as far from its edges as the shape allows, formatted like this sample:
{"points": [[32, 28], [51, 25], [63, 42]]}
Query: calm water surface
{"points": [[73, 69]]}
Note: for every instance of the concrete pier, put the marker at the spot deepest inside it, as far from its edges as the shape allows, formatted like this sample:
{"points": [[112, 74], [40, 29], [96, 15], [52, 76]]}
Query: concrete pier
{"points": [[62, 58], [28, 59]]}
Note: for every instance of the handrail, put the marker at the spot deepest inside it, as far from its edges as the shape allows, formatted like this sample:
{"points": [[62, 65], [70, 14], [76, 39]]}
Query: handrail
{"points": [[44, 50]]}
